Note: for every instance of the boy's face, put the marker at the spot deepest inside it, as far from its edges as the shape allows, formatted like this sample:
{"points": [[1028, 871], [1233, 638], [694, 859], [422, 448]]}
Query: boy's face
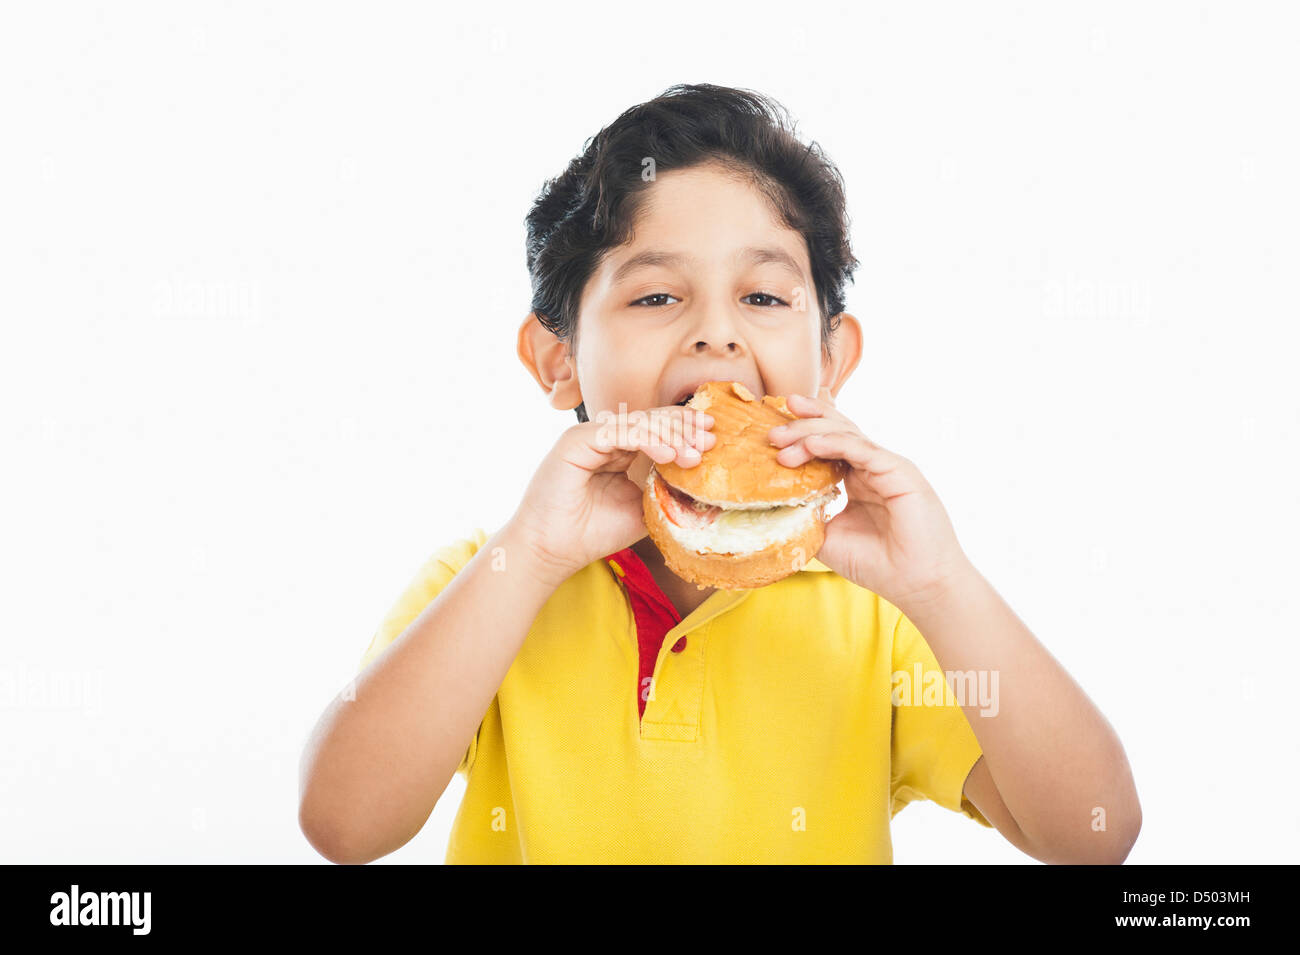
{"points": [[712, 286]]}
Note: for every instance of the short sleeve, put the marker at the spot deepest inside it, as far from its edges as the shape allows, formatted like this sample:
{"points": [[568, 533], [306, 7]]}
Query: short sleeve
{"points": [[437, 572], [933, 747]]}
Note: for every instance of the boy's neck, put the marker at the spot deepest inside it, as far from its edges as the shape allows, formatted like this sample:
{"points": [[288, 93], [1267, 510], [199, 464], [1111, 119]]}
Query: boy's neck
{"points": [[683, 594]]}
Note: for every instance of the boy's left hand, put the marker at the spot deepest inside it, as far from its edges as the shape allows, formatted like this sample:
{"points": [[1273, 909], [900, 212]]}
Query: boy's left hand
{"points": [[893, 537]]}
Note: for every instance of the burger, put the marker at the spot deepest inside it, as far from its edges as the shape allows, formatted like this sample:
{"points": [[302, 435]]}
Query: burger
{"points": [[739, 519]]}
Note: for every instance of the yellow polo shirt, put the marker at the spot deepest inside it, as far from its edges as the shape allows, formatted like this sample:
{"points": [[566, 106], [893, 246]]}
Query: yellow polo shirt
{"points": [[778, 733]]}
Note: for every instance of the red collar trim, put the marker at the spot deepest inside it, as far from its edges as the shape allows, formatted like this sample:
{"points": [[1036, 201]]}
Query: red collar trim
{"points": [[631, 569]]}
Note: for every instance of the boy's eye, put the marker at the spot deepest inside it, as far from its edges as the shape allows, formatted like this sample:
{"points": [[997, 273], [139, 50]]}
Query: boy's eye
{"points": [[646, 300], [765, 295], [769, 300]]}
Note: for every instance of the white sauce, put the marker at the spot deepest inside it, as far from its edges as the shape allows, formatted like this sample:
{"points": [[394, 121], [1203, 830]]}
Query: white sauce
{"points": [[752, 528]]}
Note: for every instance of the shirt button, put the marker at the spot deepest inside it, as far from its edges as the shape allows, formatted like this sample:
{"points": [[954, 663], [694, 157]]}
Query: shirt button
{"points": [[680, 645]]}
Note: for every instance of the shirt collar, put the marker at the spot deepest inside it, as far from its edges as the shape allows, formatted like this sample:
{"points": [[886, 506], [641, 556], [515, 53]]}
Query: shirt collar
{"points": [[618, 562], [628, 567]]}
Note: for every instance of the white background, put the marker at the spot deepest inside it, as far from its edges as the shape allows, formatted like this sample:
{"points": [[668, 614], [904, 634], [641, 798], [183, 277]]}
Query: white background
{"points": [[262, 271]]}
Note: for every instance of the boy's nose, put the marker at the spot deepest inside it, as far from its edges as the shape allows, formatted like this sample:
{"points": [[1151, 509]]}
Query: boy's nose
{"points": [[714, 327], [704, 346], [717, 333]]}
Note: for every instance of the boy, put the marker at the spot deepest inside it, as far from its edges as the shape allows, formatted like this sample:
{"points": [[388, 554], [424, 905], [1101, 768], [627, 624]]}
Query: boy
{"points": [[603, 709]]}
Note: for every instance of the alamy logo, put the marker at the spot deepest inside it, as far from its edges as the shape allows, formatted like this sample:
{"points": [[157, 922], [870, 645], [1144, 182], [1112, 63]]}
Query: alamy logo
{"points": [[101, 908]]}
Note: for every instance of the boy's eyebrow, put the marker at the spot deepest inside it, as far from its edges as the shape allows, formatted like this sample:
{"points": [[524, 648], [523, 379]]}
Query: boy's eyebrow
{"points": [[751, 255], [776, 256]]}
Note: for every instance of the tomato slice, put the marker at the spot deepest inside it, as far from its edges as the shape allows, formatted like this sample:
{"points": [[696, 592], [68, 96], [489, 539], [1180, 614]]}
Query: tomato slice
{"points": [[666, 503], [681, 509]]}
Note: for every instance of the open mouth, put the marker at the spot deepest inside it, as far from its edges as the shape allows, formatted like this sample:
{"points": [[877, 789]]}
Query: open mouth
{"points": [[744, 391]]}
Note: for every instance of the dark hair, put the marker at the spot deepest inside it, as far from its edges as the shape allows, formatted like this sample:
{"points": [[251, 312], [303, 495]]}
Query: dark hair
{"points": [[592, 206]]}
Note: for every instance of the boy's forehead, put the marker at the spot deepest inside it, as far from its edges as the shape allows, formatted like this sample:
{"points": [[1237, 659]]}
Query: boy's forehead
{"points": [[699, 219], [705, 231], [706, 201], [640, 256]]}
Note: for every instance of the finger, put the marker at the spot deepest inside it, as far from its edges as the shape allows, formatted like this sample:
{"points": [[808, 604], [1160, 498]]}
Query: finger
{"points": [[885, 472], [806, 406], [790, 432], [663, 451], [663, 434], [803, 450], [682, 430], [704, 440], [597, 460], [671, 424], [686, 449]]}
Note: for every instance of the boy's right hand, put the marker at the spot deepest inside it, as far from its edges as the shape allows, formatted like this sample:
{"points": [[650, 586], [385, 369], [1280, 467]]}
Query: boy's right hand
{"points": [[581, 505]]}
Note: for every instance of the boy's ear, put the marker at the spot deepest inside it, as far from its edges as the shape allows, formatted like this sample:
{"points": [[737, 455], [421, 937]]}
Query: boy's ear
{"points": [[845, 353], [548, 360]]}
